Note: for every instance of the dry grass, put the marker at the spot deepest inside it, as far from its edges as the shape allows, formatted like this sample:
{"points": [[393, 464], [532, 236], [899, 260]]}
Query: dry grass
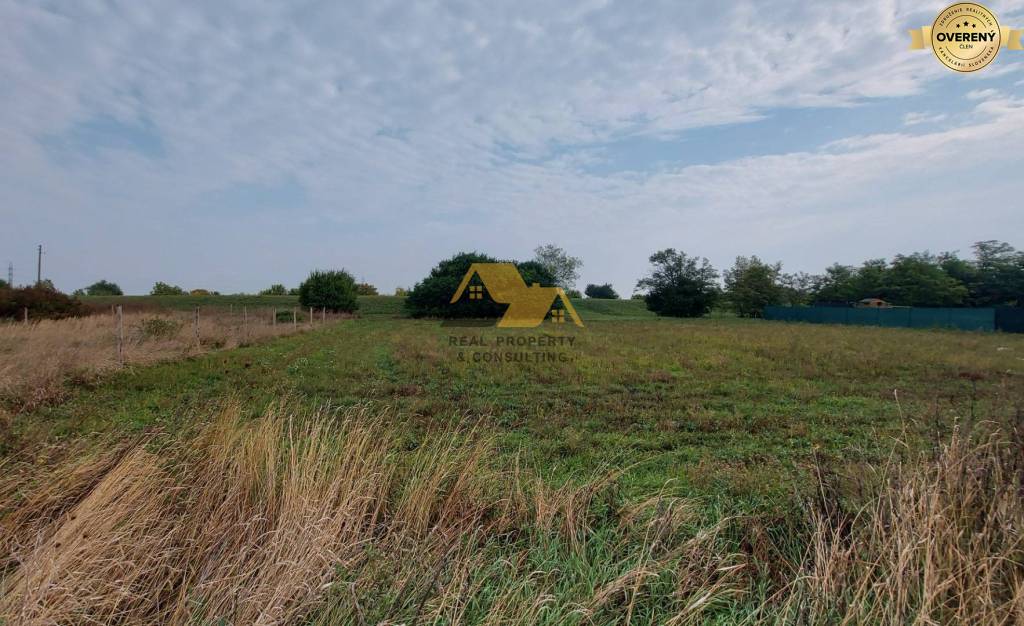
{"points": [[287, 518], [37, 359], [942, 542], [335, 518]]}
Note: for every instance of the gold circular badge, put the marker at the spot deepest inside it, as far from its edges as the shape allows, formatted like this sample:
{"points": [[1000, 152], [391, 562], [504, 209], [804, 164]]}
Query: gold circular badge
{"points": [[966, 37]]}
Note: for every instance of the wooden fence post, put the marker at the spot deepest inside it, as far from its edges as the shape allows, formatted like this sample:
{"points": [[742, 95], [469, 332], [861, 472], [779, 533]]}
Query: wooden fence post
{"points": [[120, 336], [273, 318], [311, 317], [196, 324], [295, 319], [323, 316], [245, 321]]}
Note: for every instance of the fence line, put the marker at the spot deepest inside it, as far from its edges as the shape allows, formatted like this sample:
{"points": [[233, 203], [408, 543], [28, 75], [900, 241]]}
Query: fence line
{"points": [[895, 317]]}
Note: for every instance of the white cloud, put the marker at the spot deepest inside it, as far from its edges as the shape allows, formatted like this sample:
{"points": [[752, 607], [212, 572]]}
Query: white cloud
{"points": [[918, 117]]}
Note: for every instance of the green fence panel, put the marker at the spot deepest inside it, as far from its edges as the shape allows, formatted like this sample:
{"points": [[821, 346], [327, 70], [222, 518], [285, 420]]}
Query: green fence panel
{"points": [[1010, 320], [895, 317]]}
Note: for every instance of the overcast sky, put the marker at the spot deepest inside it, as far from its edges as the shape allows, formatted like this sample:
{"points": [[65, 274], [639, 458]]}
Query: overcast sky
{"points": [[228, 145]]}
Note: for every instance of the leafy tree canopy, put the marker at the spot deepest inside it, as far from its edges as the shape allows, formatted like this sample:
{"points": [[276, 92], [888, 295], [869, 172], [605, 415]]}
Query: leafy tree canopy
{"points": [[431, 297], [103, 288], [679, 285], [164, 289], [564, 268], [604, 291], [333, 289], [751, 285]]}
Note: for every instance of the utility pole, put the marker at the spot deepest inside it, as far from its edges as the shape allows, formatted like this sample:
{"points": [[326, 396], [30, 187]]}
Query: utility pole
{"points": [[10, 275], [39, 266]]}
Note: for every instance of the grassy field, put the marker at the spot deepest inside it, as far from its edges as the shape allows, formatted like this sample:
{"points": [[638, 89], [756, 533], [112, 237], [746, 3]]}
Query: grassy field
{"points": [[651, 470], [369, 306], [720, 407]]}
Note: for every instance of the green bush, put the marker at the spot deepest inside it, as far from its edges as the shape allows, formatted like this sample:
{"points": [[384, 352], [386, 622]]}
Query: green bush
{"points": [[366, 289], [164, 289], [604, 292], [102, 288], [41, 302], [431, 297], [334, 289], [277, 289]]}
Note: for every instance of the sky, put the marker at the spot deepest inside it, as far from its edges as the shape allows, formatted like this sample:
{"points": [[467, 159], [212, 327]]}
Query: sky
{"points": [[233, 144]]}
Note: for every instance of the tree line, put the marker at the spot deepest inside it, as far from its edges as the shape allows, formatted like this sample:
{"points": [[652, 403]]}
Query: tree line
{"points": [[676, 285], [685, 286]]}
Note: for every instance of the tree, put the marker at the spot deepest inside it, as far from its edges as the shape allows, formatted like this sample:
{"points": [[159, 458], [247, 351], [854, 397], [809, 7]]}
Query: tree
{"points": [[751, 285], [679, 285], [277, 289], [102, 288], [918, 280], [3, 284], [573, 294], [1000, 274], [431, 297], [366, 289], [401, 292], [334, 290], [871, 280], [200, 292], [564, 268], [798, 289], [605, 292], [962, 270], [836, 286], [164, 289]]}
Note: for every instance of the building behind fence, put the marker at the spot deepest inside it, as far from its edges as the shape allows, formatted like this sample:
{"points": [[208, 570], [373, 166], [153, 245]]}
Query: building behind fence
{"points": [[1005, 319]]}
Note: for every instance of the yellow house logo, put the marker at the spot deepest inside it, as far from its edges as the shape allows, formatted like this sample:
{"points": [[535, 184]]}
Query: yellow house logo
{"points": [[528, 306]]}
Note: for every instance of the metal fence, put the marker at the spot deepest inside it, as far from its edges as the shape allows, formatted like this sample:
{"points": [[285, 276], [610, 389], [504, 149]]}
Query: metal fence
{"points": [[1010, 320], [895, 317]]}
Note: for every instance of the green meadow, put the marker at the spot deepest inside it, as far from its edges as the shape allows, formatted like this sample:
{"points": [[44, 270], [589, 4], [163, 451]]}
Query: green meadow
{"points": [[718, 407]]}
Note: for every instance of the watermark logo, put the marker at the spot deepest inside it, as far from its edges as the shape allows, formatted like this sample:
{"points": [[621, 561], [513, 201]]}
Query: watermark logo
{"points": [[965, 37], [528, 305]]}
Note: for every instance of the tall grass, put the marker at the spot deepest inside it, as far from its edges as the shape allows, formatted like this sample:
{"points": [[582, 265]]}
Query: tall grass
{"points": [[37, 359], [329, 518], [941, 542]]}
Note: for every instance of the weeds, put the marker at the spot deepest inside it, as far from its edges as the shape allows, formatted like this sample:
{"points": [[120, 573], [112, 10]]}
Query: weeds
{"points": [[37, 359], [329, 518]]}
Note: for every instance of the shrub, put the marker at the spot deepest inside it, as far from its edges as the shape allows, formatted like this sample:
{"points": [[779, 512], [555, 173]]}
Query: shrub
{"points": [[366, 289], [163, 289], [41, 302], [334, 289], [431, 297], [103, 288], [157, 328], [679, 285], [277, 289], [604, 291], [200, 292], [401, 292]]}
